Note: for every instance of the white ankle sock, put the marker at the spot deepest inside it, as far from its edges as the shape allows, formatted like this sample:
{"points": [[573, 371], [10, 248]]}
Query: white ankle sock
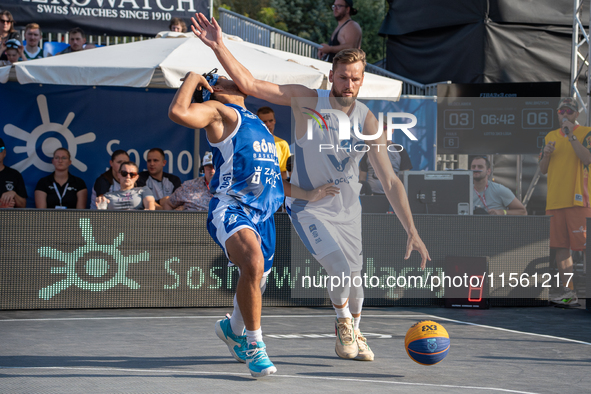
{"points": [[254, 336], [356, 322], [237, 321], [343, 313]]}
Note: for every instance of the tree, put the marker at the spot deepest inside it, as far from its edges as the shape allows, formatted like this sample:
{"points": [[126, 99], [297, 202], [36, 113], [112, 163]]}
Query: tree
{"points": [[314, 21]]}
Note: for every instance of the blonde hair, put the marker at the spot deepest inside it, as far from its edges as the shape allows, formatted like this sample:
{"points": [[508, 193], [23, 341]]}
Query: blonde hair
{"points": [[349, 56], [32, 26]]}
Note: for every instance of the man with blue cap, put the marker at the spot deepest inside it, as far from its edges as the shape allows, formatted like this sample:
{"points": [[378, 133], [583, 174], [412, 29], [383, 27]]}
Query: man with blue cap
{"points": [[248, 189]]}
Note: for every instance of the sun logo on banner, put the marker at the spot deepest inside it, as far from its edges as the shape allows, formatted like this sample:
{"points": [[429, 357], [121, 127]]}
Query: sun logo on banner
{"points": [[50, 144], [93, 267]]}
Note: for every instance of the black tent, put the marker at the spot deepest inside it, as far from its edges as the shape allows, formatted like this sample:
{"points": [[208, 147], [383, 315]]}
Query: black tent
{"points": [[481, 41]]}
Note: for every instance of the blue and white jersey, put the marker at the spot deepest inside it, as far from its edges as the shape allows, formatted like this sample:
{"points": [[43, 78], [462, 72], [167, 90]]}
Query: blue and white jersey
{"points": [[340, 164], [247, 167]]}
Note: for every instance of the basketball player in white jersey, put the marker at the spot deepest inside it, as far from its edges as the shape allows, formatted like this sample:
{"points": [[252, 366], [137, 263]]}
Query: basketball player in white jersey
{"points": [[330, 228]]}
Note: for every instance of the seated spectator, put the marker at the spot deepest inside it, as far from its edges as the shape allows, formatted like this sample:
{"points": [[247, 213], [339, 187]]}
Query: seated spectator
{"points": [[490, 197], [7, 32], [193, 195], [178, 25], [33, 37], [109, 181], [61, 190], [129, 196], [76, 41], [161, 183], [13, 193], [14, 52], [400, 162]]}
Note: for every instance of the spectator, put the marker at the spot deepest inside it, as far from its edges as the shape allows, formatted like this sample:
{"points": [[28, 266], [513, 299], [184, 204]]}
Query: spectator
{"points": [[33, 37], [193, 195], [267, 115], [129, 197], [347, 34], [565, 158], [161, 183], [178, 25], [13, 193], [109, 181], [491, 197], [7, 32], [61, 190], [14, 52], [77, 41], [400, 163]]}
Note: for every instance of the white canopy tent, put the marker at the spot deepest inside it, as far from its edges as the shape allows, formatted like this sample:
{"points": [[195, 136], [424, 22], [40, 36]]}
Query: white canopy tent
{"points": [[161, 62]]}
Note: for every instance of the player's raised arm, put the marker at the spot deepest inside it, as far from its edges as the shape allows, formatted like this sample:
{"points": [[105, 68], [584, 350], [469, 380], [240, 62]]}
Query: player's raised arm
{"points": [[394, 189], [185, 113], [210, 34]]}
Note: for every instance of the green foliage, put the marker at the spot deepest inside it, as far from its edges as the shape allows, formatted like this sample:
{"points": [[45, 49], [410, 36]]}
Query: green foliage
{"points": [[268, 16], [313, 19], [309, 19]]}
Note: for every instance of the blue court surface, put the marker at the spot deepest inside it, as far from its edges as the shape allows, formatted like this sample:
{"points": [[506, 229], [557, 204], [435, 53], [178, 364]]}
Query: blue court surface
{"points": [[505, 350]]}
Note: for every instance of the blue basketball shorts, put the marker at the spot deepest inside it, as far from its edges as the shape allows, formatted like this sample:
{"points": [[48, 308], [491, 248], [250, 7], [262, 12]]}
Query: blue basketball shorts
{"points": [[228, 216]]}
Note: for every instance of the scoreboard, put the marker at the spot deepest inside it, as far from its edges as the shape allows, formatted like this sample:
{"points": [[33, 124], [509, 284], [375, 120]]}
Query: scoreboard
{"points": [[510, 121]]}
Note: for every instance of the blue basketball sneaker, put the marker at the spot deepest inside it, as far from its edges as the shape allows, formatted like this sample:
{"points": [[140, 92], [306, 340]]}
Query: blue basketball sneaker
{"points": [[236, 343], [257, 360]]}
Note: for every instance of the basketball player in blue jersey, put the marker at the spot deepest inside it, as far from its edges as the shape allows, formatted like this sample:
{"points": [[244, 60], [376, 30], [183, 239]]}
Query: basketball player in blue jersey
{"points": [[330, 228], [248, 190]]}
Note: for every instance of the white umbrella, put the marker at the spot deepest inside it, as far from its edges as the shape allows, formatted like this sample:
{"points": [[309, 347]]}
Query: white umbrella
{"points": [[161, 62]]}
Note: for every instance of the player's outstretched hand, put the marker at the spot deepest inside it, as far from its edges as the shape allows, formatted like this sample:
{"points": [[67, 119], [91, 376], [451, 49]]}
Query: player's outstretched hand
{"points": [[415, 242], [210, 33], [323, 191]]}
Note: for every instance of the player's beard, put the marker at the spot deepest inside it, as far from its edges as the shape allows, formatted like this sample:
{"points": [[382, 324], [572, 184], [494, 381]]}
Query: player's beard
{"points": [[343, 101]]}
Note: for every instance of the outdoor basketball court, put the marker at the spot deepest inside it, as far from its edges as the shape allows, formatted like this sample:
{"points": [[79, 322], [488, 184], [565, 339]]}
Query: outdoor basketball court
{"points": [[513, 350]]}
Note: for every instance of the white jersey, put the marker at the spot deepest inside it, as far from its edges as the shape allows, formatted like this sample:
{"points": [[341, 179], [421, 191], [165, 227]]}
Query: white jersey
{"points": [[340, 164]]}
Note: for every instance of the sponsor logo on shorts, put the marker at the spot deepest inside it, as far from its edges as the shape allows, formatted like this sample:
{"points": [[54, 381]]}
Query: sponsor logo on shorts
{"points": [[232, 219], [312, 227], [578, 197], [580, 230], [316, 240]]}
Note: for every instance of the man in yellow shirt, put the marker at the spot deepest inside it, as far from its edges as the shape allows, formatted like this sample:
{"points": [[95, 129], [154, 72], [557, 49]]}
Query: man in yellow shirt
{"points": [[565, 158], [267, 115]]}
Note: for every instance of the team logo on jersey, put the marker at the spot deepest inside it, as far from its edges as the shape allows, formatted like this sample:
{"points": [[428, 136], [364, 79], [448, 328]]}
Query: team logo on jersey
{"points": [[249, 115], [256, 178], [9, 186], [312, 227], [339, 165]]}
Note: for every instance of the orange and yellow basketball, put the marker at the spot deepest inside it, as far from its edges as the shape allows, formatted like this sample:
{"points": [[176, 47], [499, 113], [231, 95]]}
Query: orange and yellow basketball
{"points": [[427, 342]]}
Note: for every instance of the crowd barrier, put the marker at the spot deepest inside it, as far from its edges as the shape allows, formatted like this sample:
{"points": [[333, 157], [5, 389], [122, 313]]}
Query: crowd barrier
{"points": [[123, 259]]}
